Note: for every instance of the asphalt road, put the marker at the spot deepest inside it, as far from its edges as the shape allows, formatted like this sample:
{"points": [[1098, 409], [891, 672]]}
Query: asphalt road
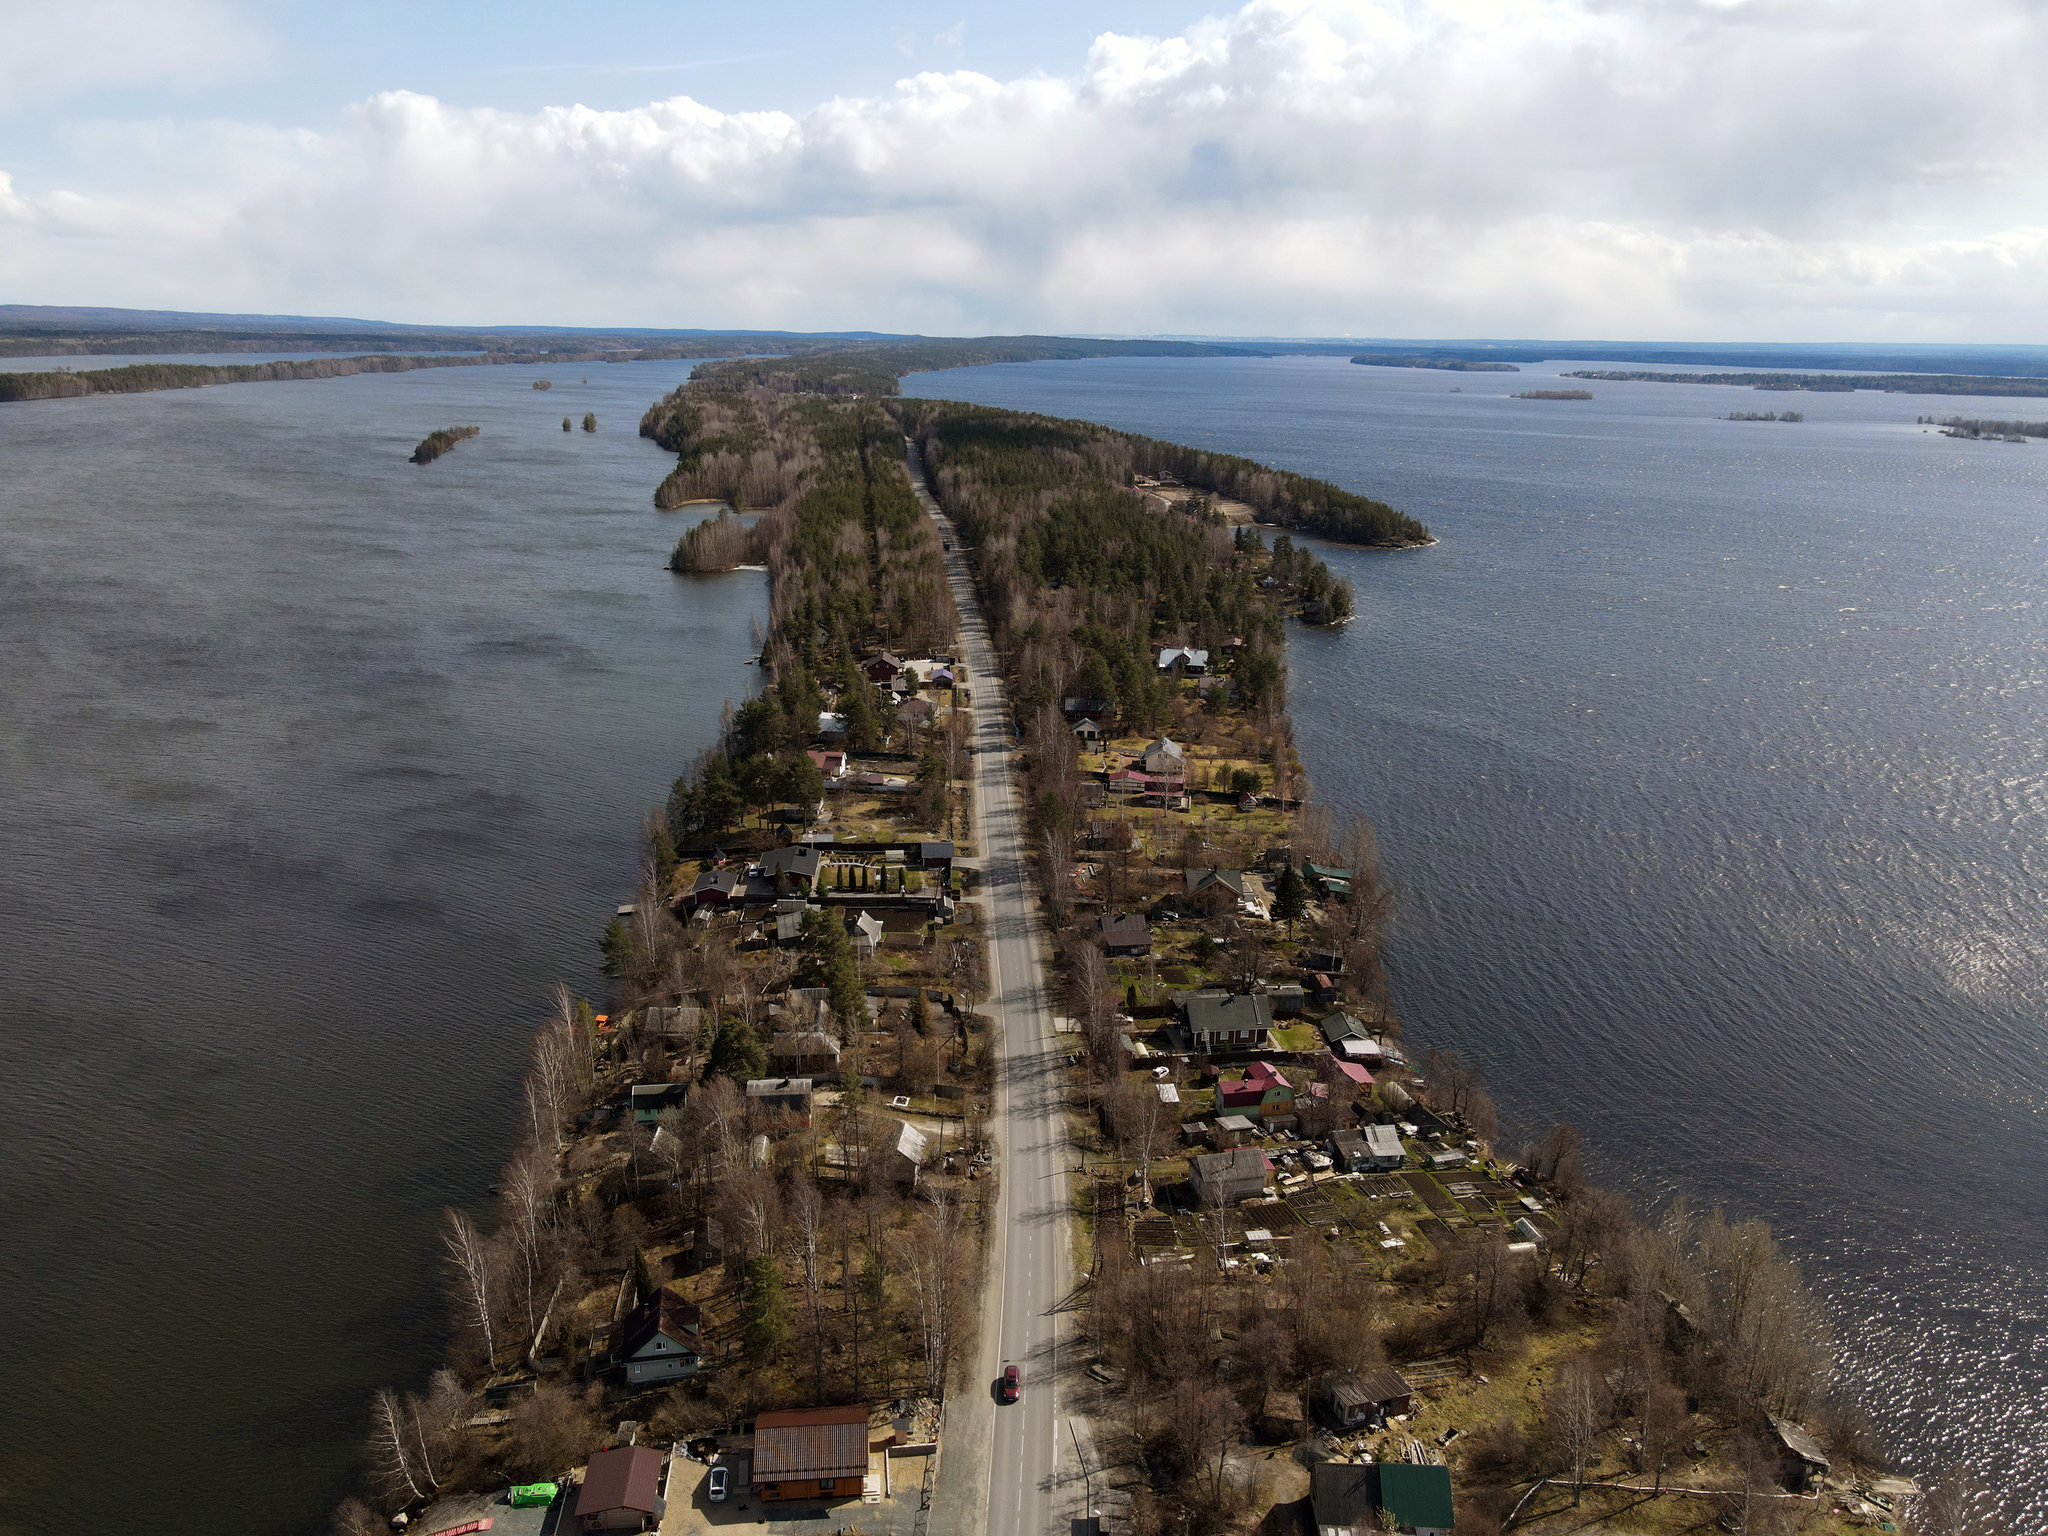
{"points": [[1031, 1267]]}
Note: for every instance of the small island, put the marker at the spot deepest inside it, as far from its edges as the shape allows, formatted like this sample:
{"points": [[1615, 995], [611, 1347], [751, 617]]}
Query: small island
{"points": [[1552, 394], [1977, 430], [543, 384], [1765, 416], [434, 444]]}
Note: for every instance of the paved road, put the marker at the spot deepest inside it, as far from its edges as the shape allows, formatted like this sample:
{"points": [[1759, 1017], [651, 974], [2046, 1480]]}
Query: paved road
{"points": [[1029, 1270]]}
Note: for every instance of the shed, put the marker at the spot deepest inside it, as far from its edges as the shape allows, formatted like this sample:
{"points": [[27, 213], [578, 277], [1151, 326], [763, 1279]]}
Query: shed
{"points": [[1233, 1131], [651, 1100], [810, 1453], [1801, 1460], [1364, 1397], [621, 1490], [1088, 731], [1447, 1157], [906, 1154], [679, 1023], [1224, 1178]]}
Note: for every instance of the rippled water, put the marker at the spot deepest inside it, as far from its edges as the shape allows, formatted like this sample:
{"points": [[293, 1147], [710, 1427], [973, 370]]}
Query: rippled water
{"points": [[1710, 759], [319, 769]]}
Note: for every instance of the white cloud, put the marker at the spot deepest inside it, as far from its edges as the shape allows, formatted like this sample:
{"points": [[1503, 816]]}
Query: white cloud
{"points": [[50, 49], [1673, 168]]}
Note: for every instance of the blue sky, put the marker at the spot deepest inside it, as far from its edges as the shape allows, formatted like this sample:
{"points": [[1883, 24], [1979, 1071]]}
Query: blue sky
{"points": [[1711, 169]]}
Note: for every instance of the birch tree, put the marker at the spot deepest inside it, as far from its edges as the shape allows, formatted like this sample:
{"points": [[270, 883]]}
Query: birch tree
{"points": [[474, 1266]]}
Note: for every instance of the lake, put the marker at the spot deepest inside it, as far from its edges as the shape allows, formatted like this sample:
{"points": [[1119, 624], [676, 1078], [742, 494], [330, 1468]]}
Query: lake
{"points": [[321, 768], [1709, 760]]}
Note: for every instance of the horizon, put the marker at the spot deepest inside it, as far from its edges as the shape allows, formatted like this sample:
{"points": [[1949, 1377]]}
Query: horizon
{"points": [[1739, 173]]}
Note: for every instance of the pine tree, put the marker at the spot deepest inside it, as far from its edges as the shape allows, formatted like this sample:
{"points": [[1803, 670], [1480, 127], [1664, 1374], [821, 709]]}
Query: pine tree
{"points": [[764, 1315]]}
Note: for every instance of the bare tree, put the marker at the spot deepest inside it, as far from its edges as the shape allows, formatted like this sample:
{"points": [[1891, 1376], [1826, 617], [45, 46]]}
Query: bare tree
{"points": [[1575, 1414], [474, 1264], [807, 1210], [1662, 1425], [391, 1451], [1958, 1506]]}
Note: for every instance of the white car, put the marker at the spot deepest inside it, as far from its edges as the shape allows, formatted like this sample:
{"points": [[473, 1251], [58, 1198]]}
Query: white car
{"points": [[715, 1492]]}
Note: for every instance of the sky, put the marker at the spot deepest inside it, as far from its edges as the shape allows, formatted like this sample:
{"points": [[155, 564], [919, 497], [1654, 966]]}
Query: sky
{"points": [[1713, 170]]}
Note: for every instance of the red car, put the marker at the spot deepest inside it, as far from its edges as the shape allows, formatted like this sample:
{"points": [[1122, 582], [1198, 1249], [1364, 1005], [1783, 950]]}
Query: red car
{"points": [[1012, 1388]]}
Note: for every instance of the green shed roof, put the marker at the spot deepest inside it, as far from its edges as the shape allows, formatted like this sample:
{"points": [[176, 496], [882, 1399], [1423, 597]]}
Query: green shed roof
{"points": [[1419, 1496]]}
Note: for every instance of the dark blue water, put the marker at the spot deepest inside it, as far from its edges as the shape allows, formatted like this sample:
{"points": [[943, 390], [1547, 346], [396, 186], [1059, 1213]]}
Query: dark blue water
{"points": [[320, 768], [1710, 761]]}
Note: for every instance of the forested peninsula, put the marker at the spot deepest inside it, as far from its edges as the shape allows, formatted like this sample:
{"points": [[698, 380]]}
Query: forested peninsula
{"points": [[739, 431], [1837, 383]]}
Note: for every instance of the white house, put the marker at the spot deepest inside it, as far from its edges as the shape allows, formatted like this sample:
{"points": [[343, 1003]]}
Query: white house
{"points": [[660, 1340], [1184, 663]]}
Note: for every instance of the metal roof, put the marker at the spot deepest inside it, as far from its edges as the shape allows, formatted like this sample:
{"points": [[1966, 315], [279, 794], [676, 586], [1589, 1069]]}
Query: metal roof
{"points": [[805, 1443], [627, 1477]]}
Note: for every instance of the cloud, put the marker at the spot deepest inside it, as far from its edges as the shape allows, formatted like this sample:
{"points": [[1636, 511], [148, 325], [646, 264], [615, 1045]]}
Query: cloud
{"points": [[47, 51], [1669, 168]]}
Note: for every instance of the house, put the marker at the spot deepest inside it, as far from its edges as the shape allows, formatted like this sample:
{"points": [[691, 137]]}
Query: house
{"points": [[1233, 1131], [789, 928], [1125, 933], [1339, 1027], [1089, 732], [1263, 1089], [1800, 1459], [621, 1490], [932, 855], [1329, 961], [804, 1053], [1351, 1398], [1165, 757], [866, 933], [905, 1154], [651, 1100], [1225, 1021], [793, 869], [1182, 662], [715, 888], [1197, 882], [1076, 706], [914, 712], [831, 763], [1327, 880], [1410, 1499], [810, 1453], [1224, 1178], [679, 1023], [884, 668], [660, 1340], [831, 723], [1383, 1150], [783, 1102]]}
